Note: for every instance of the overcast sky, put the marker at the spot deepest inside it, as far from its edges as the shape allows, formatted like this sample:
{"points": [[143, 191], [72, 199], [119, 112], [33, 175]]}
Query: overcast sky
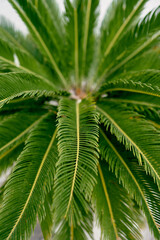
{"points": [[7, 11]]}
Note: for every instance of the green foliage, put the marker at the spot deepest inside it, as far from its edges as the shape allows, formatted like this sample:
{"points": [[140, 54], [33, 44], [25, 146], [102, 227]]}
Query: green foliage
{"points": [[133, 177], [35, 178], [111, 201], [80, 121], [131, 129], [78, 158]]}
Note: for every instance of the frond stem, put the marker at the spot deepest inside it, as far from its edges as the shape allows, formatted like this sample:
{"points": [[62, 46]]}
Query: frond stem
{"points": [[55, 66], [21, 135], [86, 34], [34, 184], [133, 143], [108, 200], [129, 171], [117, 100], [77, 157], [124, 25], [127, 59], [76, 46], [27, 70], [131, 90]]}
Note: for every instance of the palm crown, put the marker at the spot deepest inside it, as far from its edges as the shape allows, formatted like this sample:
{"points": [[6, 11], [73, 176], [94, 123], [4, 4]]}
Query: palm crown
{"points": [[80, 121]]}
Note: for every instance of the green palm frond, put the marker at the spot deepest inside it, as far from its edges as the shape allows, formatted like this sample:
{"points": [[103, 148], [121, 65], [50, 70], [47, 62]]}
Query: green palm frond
{"points": [[7, 161], [134, 100], [14, 129], [39, 32], [131, 129], [31, 179], [12, 138], [51, 16], [81, 231], [141, 187], [17, 39], [114, 209], [81, 21], [46, 221], [148, 60], [120, 15], [23, 84], [26, 62], [135, 41], [80, 120], [77, 164], [143, 82]]}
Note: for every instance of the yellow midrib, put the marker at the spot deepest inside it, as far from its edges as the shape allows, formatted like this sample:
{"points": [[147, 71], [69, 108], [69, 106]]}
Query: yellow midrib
{"points": [[133, 143], [128, 19], [72, 228], [131, 101], [131, 90], [55, 66], [23, 133], [76, 55], [86, 34], [132, 55], [77, 157], [108, 201], [130, 173], [34, 184], [27, 70]]}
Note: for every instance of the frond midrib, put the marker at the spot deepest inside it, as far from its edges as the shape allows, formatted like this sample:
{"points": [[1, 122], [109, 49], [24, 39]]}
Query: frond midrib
{"points": [[28, 71], [123, 26], [108, 200], [77, 157], [76, 52], [54, 64], [21, 135], [34, 183], [131, 101], [130, 173], [133, 143], [86, 32], [132, 90], [132, 55]]}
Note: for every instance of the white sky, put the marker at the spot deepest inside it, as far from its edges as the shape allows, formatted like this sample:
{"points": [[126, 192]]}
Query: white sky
{"points": [[7, 11]]}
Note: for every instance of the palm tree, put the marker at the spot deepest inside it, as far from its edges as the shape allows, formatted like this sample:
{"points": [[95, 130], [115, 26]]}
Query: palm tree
{"points": [[80, 121]]}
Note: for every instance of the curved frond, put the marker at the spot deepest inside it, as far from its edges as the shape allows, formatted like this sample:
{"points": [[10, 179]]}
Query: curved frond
{"points": [[23, 84], [51, 16], [7, 161], [31, 179], [135, 41], [17, 39], [143, 82], [13, 131], [115, 211], [138, 135], [135, 100], [81, 21], [140, 186], [82, 231], [78, 156], [148, 60], [120, 15], [25, 62], [46, 221], [27, 11]]}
